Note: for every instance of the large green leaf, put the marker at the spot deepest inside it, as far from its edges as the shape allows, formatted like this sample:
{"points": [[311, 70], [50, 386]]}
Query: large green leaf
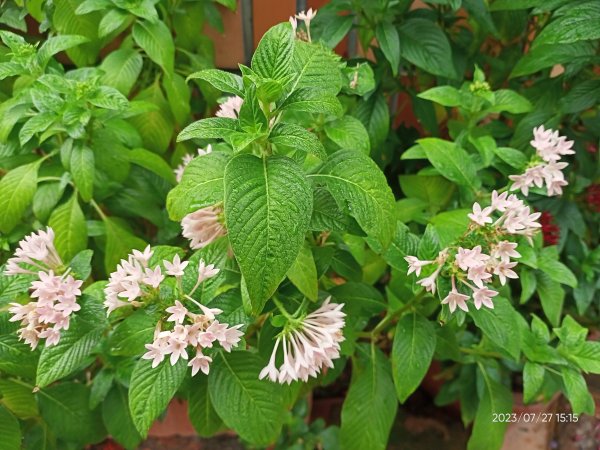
{"points": [[544, 56], [500, 325], [273, 56], [426, 46], [121, 69], [151, 390], [154, 37], [253, 408], [221, 80], [70, 228], [201, 411], [317, 68], [132, 334], [451, 161], [118, 421], [574, 23], [349, 133], [151, 161], [552, 297], [17, 189], [374, 114], [10, 430], [69, 354], [303, 273], [577, 391], [18, 398], [82, 169], [370, 406], [296, 138], [389, 42], [200, 186], [65, 408], [268, 204], [414, 344], [211, 128], [496, 399], [16, 357], [359, 187]]}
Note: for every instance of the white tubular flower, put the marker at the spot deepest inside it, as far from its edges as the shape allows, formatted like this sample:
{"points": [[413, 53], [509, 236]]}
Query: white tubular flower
{"points": [[504, 270], [203, 226], [504, 250], [175, 268], [415, 265], [483, 296], [294, 24], [178, 312], [455, 298], [309, 346], [230, 108], [200, 362], [469, 258], [37, 252], [187, 158], [307, 16], [481, 216], [206, 271], [430, 282]]}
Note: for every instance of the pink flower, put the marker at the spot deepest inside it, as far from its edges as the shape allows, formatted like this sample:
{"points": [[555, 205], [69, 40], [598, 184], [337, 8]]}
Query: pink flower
{"points": [[200, 362], [153, 277], [230, 108], [203, 226], [466, 258], [479, 275], [480, 216], [51, 335], [206, 271], [231, 337], [176, 268], [429, 283], [504, 270], [143, 257], [455, 298], [504, 250], [484, 296], [178, 312], [156, 351], [415, 265], [499, 201], [177, 350]]}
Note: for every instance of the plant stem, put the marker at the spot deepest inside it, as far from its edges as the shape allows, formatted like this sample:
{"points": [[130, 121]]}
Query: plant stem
{"points": [[98, 209], [283, 311], [390, 317]]}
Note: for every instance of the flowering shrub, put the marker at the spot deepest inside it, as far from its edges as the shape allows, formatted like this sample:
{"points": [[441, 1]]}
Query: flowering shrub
{"points": [[316, 239]]}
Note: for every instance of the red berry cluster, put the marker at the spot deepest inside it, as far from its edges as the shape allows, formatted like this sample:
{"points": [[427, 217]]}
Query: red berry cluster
{"points": [[592, 197], [550, 230]]}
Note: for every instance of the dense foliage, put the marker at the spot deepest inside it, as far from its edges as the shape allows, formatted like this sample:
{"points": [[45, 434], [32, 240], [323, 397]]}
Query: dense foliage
{"points": [[363, 216]]}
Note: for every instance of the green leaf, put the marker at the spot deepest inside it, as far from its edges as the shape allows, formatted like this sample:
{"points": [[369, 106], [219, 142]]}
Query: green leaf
{"points": [[303, 274], [496, 399], [507, 5], [273, 56], [101, 384], [118, 421], [544, 56], [577, 392], [317, 68], [211, 128], [68, 223], [45, 199], [556, 270], [73, 349], [450, 225], [82, 169], [10, 430], [154, 37], [151, 161], [359, 299], [414, 344], [111, 21], [374, 114], [221, 80], [435, 190], [552, 297], [37, 124], [151, 390], [17, 189], [296, 138], [214, 253], [500, 326], [533, 379], [131, 335], [576, 23], [426, 46], [18, 398], [268, 204], [253, 408], [201, 411], [179, 97], [586, 356], [370, 405], [200, 186], [119, 243], [56, 44], [443, 95], [311, 101], [389, 42], [512, 157], [16, 357], [65, 408], [349, 133], [121, 69], [359, 186], [451, 161], [510, 101]]}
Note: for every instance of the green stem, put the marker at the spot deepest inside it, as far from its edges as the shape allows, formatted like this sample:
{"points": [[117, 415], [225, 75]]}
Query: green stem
{"points": [[98, 210], [390, 317], [283, 311]]}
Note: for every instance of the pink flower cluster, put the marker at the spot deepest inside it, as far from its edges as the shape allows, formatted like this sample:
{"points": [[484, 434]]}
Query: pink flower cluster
{"points": [[187, 158], [56, 294], [547, 170], [308, 346], [203, 226], [200, 332], [474, 268]]}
